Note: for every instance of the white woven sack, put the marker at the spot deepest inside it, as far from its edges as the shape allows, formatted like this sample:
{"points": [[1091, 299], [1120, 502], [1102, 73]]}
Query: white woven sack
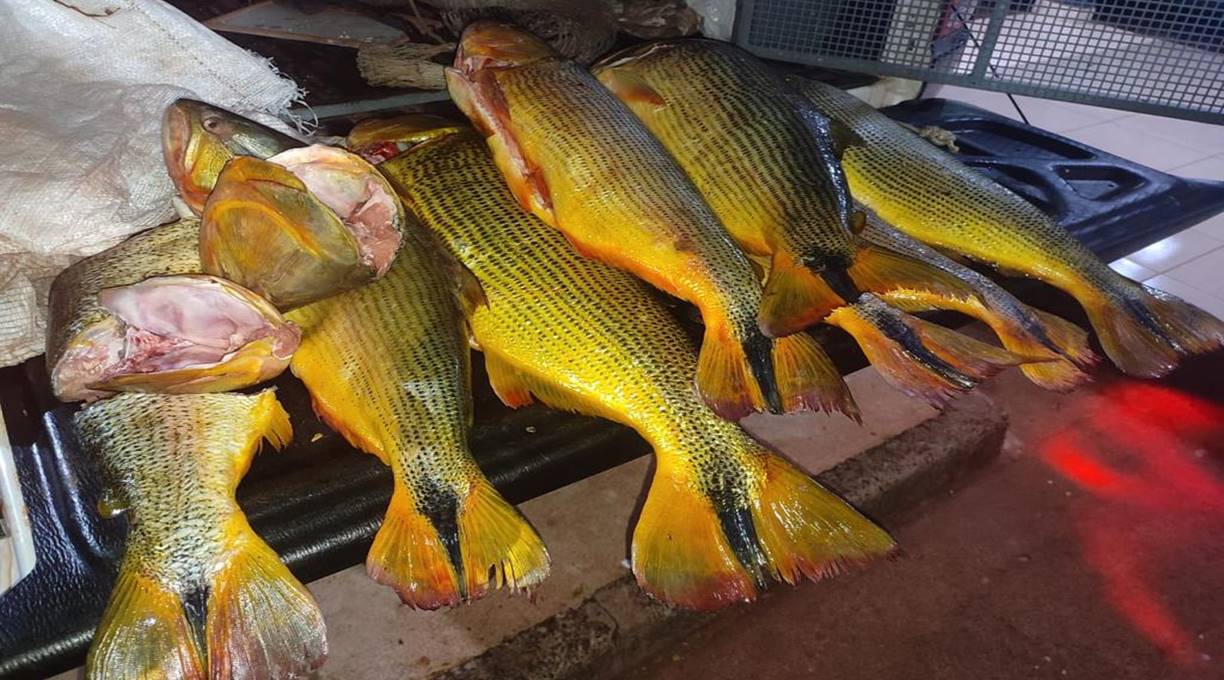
{"points": [[82, 89]]}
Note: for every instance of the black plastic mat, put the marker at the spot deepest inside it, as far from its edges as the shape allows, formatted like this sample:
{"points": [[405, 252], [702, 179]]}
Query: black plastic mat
{"points": [[318, 502]]}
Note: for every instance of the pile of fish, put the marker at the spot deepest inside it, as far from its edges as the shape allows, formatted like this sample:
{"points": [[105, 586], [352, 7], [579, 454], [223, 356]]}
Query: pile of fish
{"points": [[533, 235]]}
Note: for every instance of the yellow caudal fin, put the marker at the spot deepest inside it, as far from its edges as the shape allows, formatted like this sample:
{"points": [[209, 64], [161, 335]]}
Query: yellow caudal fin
{"points": [[261, 621], [807, 379], [1147, 332], [877, 270], [806, 531], [144, 633], [918, 357], [794, 297], [680, 554], [695, 551], [499, 548], [735, 377], [457, 552], [1062, 344]]}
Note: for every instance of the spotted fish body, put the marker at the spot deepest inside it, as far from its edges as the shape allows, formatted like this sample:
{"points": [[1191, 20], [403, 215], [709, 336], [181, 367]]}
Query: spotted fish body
{"points": [[763, 159], [582, 162], [198, 594], [723, 513], [929, 195], [387, 365]]}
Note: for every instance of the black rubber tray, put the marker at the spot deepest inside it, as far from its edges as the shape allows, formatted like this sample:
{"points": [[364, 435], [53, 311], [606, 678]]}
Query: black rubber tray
{"points": [[319, 502]]}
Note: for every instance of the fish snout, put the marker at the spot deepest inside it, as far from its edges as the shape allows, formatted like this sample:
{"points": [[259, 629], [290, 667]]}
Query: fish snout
{"points": [[495, 44]]}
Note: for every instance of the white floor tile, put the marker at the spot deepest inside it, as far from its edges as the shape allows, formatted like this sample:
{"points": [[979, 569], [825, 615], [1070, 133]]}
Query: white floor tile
{"points": [[1184, 132], [1208, 168], [1131, 269], [1205, 301], [1059, 116], [1177, 249], [1213, 227], [1122, 141], [1205, 273], [996, 102]]}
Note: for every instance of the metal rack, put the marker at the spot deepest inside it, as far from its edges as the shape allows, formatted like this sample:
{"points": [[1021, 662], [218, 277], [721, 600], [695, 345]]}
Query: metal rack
{"points": [[1153, 56]]}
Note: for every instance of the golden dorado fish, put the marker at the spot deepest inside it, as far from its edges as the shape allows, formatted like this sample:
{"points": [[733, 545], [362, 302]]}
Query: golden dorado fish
{"points": [[931, 196], [199, 595], [387, 365], [198, 139], [582, 162], [724, 514], [766, 162], [138, 317], [377, 139], [300, 226], [1021, 329]]}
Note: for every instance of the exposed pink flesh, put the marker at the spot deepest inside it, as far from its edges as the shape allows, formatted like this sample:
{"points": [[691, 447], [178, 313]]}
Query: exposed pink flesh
{"points": [[361, 202], [172, 326]]}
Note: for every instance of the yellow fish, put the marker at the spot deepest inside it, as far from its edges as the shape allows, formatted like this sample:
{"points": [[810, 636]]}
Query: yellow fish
{"points": [[582, 162], [199, 595], [724, 514], [387, 365], [931, 196], [769, 168]]}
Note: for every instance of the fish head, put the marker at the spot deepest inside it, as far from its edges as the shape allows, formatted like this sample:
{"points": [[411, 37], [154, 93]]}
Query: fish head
{"points": [[178, 334], [301, 226], [498, 45], [198, 139], [381, 139]]}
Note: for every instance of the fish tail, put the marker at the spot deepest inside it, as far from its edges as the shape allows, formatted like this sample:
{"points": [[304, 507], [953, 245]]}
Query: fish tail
{"points": [[794, 297], [918, 357], [880, 271], [259, 615], [735, 376], [1068, 371], [703, 549], [807, 379], [1062, 345], [1147, 332], [144, 632], [457, 550]]}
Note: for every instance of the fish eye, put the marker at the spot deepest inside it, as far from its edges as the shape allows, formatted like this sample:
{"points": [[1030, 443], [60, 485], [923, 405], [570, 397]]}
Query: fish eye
{"points": [[211, 123]]}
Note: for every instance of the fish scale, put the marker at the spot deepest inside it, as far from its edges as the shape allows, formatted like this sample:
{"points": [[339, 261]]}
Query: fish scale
{"points": [[723, 513], [928, 194], [199, 594], [388, 366], [782, 175]]}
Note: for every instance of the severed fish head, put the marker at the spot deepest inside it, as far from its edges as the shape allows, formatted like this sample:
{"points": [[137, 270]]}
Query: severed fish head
{"points": [[176, 334], [495, 44], [198, 139], [381, 139], [303, 225]]}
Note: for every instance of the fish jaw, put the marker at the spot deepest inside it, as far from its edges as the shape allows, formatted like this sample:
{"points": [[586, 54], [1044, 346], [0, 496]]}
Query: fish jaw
{"points": [[178, 334], [321, 220], [381, 139], [493, 44]]}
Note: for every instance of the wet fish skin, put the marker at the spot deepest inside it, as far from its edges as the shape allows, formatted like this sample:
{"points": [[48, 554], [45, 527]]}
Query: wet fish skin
{"points": [[198, 139], [582, 162], [724, 515], [931, 196], [387, 365], [198, 593], [761, 157]]}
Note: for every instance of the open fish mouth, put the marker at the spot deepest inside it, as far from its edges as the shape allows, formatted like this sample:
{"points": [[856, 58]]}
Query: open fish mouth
{"points": [[381, 139], [303, 225], [178, 334], [493, 44]]}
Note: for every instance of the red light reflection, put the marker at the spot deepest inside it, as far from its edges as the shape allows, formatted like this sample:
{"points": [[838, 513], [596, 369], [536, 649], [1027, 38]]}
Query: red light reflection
{"points": [[1144, 452]]}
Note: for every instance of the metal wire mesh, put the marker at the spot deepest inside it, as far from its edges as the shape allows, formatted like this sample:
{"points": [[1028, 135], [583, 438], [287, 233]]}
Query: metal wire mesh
{"points": [[1154, 56]]}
